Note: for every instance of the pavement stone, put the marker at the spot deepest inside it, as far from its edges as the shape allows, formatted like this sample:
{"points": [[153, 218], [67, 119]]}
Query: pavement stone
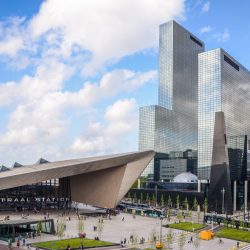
{"points": [[116, 230]]}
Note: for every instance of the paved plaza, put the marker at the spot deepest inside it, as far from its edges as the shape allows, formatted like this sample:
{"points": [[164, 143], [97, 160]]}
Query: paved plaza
{"points": [[115, 230]]}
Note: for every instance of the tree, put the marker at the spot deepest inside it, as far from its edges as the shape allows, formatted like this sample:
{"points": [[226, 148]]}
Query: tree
{"points": [[186, 203], [153, 237], [80, 227], [177, 201], [162, 201], [129, 195], [39, 228], [198, 216], [179, 215], [169, 201], [205, 205], [169, 238], [195, 204], [169, 214], [242, 224], [135, 198], [153, 200], [181, 241], [225, 221], [141, 198], [133, 240], [100, 227], [61, 223], [233, 223], [197, 241], [147, 198]]}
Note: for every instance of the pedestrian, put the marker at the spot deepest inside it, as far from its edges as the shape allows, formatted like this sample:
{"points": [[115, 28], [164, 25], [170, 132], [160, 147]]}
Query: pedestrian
{"points": [[23, 241], [122, 218], [18, 243], [68, 247], [238, 244], [191, 239]]}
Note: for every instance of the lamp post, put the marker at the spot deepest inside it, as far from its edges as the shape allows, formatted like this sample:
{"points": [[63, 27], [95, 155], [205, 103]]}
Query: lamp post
{"points": [[212, 221], [156, 195], [161, 218], [223, 198]]}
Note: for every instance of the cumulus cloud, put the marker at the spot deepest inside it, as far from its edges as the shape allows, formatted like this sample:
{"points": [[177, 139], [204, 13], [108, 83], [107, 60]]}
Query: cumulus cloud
{"points": [[121, 118], [206, 7], [39, 104], [222, 36], [66, 40], [206, 29], [108, 30]]}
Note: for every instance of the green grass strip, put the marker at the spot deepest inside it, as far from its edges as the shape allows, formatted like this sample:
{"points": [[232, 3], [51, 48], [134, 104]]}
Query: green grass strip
{"points": [[187, 226], [74, 243], [234, 234]]}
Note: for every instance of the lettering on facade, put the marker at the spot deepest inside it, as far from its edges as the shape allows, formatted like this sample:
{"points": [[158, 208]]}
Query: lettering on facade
{"points": [[32, 199]]}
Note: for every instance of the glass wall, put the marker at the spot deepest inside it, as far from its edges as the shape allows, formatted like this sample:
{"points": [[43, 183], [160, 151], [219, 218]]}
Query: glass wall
{"points": [[173, 124], [224, 85]]}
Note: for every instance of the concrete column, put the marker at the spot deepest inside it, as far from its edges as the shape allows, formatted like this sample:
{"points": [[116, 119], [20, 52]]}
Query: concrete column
{"points": [[199, 185], [235, 196], [139, 183], [245, 195]]}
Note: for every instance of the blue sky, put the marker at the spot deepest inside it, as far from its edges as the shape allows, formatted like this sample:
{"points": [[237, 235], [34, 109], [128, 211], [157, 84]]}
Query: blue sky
{"points": [[73, 76]]}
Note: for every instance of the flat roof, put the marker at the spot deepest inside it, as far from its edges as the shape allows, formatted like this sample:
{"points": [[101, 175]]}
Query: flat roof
{"points": [[22, 221]]}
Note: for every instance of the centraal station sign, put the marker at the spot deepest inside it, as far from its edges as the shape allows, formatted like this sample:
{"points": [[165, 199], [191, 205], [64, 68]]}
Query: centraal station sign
{"points": [[32, 199]]}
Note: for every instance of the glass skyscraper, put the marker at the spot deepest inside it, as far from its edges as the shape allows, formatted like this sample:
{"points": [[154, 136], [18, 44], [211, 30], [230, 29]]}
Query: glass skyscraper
{"points": [[172, 125], [223, 86]]}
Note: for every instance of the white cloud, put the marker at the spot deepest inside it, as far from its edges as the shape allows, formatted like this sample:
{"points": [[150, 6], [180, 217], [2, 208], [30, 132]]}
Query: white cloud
{"points": [[60, 41], [11, 40], [206, 29], [206, 7], [108, 30], [39, 104], [111, 84], [222, 36], [10, 46], [121, 118]]}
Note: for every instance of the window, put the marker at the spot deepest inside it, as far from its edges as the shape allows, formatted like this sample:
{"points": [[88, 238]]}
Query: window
{"points": [[231, 62], [196, 41]]}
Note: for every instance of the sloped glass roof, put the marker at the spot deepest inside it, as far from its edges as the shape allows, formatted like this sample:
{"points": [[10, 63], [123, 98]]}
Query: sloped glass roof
{"points": [[17, 165], [3, 168], [41, 161]]}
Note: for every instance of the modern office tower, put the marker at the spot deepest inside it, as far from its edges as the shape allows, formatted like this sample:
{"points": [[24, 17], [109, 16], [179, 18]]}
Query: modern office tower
{"points": [[223, 86], [173, 124]]}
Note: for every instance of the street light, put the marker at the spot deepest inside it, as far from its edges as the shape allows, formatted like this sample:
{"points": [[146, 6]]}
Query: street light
{"points": [[212, 212], [223, 197], [161, 218], [156, 195]]}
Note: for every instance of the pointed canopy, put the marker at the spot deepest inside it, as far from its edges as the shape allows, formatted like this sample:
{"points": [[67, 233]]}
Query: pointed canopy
{"points": [[3, 168], [17, 165], [41, 161]]}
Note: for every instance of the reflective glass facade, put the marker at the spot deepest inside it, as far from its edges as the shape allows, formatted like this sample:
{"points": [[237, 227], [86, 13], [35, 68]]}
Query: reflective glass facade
{"points": [[173, 124], [223, 86], [178, 69]]}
